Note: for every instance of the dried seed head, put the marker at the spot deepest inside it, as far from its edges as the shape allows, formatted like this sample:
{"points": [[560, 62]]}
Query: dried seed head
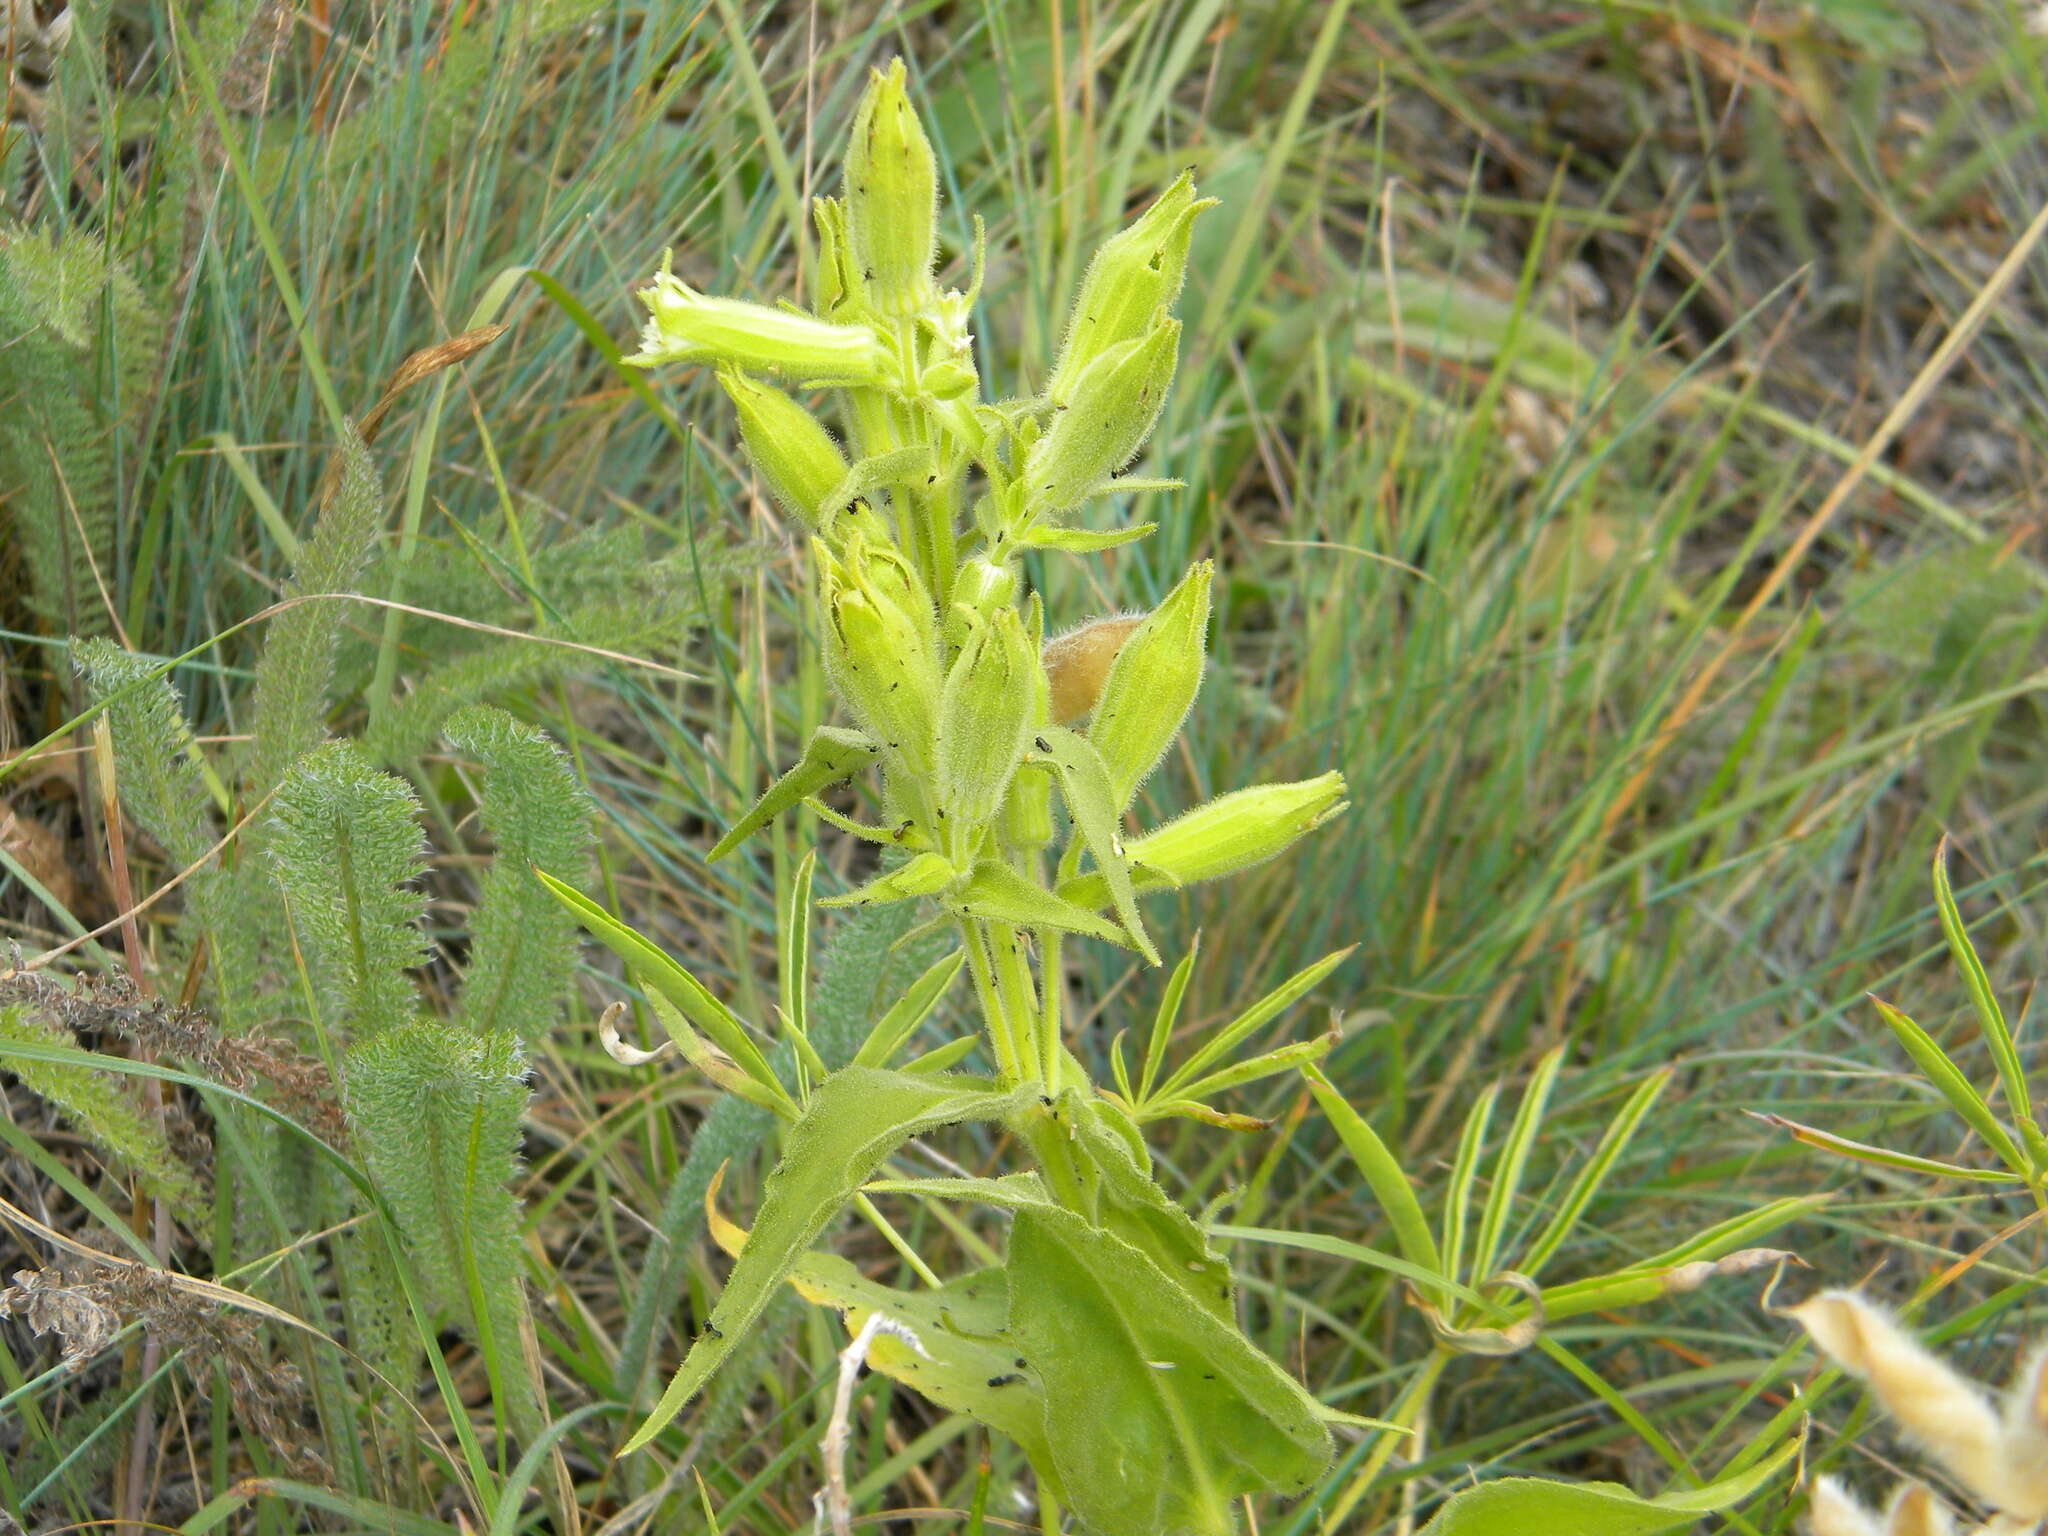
{"points": [[1915, 1511], [1077, 664], [1950, 1416], [1833, 1511]]}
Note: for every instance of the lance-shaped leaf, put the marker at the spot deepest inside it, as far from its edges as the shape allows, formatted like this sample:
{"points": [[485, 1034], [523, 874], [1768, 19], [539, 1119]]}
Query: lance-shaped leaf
{"points": [[856, 1118], [1516, 1506], [1086, 541], [689, 995], [1158, 1413], [1225, 1041], [830, 755], [1092, 802], [998, 893], [925, 875], [910, 1010]]}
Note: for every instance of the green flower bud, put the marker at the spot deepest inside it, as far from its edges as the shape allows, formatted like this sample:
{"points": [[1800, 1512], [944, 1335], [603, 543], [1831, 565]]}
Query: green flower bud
{"points": [[985, 718], [979, 589], [881, 650], [1231, 832], [685, 326], [1135, 274], [839, 284], [892, 197], [1116, 401], [797, 457], [1027, 810], [1152, 684]]}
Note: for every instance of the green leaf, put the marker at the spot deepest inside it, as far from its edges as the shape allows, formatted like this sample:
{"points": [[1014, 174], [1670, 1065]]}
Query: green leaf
{"points": [[1620, 1131], [677, 985], [1384, 1175], [1514, 1156], [1129, 1203], [910, 1011], [1947, 1078], [857, 1117], [1092, 802], [925, 875], [1164, 1020], [1230, 1036], [831, 754], [997, 892], [1158, 1414], [1863, 1152], [1996, 1034], [1012, 1191], [793, 939], [1286, 1058], [522, 944], [969, 1365], [1516, 1506], [1082, 541], [900, 466]]}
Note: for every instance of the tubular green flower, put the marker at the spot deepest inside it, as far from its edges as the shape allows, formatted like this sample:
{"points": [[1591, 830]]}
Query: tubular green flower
{"points": [[892, 197], [1135, 274], [796, 456], [685, 326], [1231, 832], [1116, 402]]}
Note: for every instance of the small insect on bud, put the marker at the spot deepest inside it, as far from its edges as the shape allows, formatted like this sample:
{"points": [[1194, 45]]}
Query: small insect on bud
{"points": [[892, 197], [685, 326], [985, 718], [792, 453], [1151, 684], [881, 650], [1077, 664], [1136, 273], [1116, 402]]}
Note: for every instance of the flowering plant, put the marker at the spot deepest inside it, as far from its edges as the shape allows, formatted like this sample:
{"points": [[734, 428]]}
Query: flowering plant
{"points": [[1105, 1342]]}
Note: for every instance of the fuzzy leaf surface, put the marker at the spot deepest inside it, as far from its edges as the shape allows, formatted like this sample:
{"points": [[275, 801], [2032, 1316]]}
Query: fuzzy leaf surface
{"points": [[1158, 1413], [857, 1118]]}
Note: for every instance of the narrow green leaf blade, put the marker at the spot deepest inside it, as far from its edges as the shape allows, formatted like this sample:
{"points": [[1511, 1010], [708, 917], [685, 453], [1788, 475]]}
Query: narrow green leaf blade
{"points": [[689, 995], [833, 753], [910, 1011], [1230, 1036], [1384, 1175], [1996, 1034], [1936, 1066], [1517, 1506]]}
